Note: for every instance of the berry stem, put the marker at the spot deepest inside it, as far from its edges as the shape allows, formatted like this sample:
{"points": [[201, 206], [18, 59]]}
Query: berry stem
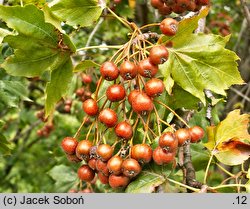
{"points": [[206, 172], [149, 25], [226, 171], [80, 184], [229, 185], [101, 98], [146, 129], [116, 53], [171, 110], [158, 122], [123, 21], [155, 135], [183, 185], [134, 127], [116, 142], [159, 119], [98, 87], [124, 110], [128, 45], [131, 114], [89, 131], [105, 102], [99, 47], [96, 131], [80, 128]]}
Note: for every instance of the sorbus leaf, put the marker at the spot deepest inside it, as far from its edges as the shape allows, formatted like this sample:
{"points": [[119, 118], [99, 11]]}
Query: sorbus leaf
{"points": [[63, 182], [151, 177], [5, 146], [84, 65], [200, 157], [145, 183], [125, 10], [59, 84], [77, 12], [39, 46], [180, 98], [200, 61], [3, 33], [11, 93], [229, 141]]}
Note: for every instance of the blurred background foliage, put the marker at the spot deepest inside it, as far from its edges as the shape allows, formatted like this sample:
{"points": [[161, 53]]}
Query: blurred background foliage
{"points": [[27, 159]]}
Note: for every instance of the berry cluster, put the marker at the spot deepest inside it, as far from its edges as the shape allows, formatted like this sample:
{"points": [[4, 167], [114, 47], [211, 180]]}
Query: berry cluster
{"points": [[67, 105], [221, 24], [130, 96], [47, 128], [169, 143], [166, 7], [84, 92], [114, 169]]}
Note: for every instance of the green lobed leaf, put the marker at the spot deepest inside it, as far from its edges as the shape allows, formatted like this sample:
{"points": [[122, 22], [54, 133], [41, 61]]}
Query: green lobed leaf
{"points": [[151, 177], [5, 146], [11, 93], [64, 177], [180, 98], [3, 33], [50, 18], [36, 2], [1, 123], [187, 26], [84, 65], [125, 11], [168, 80], [39, 46], [77, 12], [145, 183], [200, 61], [200, 156], [58, 85]]}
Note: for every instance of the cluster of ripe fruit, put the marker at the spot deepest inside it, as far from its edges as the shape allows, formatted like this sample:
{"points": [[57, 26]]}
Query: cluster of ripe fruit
{"points": [[114, 169], [48, 126], [133, 91], [166, 7]]}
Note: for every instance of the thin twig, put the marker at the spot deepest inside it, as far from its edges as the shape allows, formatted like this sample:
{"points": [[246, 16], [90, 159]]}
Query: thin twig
{"points": [[209, 95], [190, 172], [91, 35], [240, 94], [246, 11]]}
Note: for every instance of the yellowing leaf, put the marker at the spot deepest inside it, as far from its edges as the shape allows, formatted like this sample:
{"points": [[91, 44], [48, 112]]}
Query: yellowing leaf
{"points": [[234, 126], [229, 141], [58, 85], [3, 33], [211, 130], [132, 3]]}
